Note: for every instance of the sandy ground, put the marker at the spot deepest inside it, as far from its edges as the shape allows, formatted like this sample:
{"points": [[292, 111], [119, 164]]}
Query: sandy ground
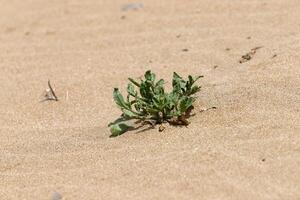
{"points": [[248, 148]]}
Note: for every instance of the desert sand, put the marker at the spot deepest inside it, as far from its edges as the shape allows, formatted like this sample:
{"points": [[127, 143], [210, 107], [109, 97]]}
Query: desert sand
{"points": [[247, 148]]}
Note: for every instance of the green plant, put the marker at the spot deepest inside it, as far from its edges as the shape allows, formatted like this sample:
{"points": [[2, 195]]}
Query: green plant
{"points": [[147, 101]]}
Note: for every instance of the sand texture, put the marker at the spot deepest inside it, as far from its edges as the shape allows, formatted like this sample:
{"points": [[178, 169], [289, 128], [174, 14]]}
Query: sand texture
{"points": [[247, 148]]}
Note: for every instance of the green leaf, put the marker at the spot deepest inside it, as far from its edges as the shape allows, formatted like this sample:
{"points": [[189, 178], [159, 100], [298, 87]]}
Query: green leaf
{"points": [[160, 83], [176, 76], [194, 90], [130, 90], [192, 80], [178, 83], [130, 114], [119, 99], [197, 78], [185, 103], [134, 82], [149, 76], [152, 111], [119, 128], [145, 91], [159, 87]]}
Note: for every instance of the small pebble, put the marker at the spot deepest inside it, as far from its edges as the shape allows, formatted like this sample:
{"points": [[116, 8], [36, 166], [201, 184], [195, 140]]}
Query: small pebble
{"points": [[56, 196], [132, 6]]}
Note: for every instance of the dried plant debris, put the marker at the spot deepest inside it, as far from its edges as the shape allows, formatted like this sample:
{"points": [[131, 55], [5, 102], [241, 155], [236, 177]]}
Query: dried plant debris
{"points": [[248, 56], [132, 6], [161, 128], [49, 94], [206, 109]]}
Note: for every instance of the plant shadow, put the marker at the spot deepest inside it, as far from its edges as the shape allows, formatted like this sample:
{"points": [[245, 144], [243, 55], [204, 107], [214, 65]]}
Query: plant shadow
{"points": [[177, 123]]}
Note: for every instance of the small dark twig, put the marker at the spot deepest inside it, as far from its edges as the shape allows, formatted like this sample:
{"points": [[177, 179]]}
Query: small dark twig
{"points": [[52, 91], [206, 109], [50, 94]]}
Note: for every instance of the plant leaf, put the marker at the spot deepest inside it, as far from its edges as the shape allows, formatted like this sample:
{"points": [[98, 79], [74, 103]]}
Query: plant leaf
{"points": [[130, 90], [160, 83], [176, 76], [119, 128], [129, 113], [194, 90], [119, 99], [197, 78], [159, 87], [145, 91], [150, 76], [185, 103], [134, 82], [178, 83]]}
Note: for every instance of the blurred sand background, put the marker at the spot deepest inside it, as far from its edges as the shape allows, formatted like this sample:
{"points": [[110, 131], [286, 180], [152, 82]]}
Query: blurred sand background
{"points": [[248, 148]]}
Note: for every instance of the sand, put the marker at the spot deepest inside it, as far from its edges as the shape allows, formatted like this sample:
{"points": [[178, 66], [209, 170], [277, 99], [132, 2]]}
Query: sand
{"points": [[247, 148]]}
